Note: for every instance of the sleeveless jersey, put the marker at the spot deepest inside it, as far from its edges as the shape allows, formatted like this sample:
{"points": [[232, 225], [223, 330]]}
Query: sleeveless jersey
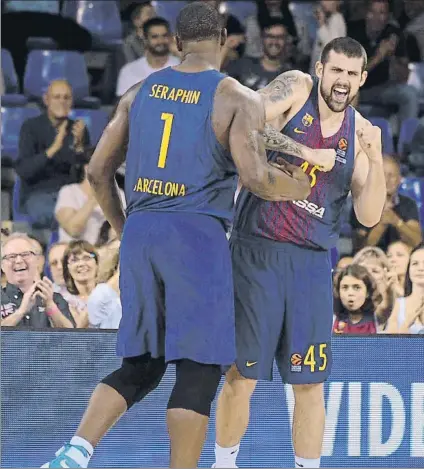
{"points": [[313, 223], [174, 160]]}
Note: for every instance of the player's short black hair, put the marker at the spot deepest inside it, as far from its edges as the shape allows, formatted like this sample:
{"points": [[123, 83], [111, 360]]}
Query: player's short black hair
{"points": [[155, 22], [347, 46], [198, 21]]}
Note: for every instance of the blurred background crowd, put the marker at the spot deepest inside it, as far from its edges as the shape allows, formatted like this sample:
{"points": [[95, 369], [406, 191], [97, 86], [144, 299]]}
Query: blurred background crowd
{"points": [[66, 62]]}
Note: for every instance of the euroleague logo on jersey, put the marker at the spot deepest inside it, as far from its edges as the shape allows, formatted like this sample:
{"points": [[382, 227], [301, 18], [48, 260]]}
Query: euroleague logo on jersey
{"points": [[296, 362], [341, 151]]}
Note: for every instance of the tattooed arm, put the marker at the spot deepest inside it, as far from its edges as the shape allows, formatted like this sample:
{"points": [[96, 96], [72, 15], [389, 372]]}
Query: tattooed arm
{"points": [[283, 92], [268, 181], [275, 140]]}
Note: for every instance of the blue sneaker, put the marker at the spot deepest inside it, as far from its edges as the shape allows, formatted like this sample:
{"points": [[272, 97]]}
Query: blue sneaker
{"points": [[70, 456]]}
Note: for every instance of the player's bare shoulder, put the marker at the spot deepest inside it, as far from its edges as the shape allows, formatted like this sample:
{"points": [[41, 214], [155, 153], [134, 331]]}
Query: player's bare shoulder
{"points": [[128, 97]]}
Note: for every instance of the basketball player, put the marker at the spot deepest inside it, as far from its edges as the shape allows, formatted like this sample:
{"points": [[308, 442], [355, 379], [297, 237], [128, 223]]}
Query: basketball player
{"points": [[281, 250], [188, 129]]}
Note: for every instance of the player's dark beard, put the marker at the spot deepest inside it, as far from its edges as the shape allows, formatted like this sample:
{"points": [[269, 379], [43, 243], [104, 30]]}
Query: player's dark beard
{"points": [[333, 105]]}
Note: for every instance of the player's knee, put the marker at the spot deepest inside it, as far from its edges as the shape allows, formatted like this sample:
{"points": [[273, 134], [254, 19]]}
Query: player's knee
{"points": [[237, 386], [137, 377], [312, 393], [195, 386]]}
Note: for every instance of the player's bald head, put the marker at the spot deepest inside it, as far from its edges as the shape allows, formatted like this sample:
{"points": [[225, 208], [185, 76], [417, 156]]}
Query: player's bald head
{"points": [[199, 21]]}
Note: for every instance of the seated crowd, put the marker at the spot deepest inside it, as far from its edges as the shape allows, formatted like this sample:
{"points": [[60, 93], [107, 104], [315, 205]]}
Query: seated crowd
{"points": [[64, 271]]}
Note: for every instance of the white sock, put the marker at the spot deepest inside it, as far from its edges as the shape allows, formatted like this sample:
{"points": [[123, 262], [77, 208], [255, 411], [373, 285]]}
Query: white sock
{"points": [[78, 441], [307, 463], [226, 457]]}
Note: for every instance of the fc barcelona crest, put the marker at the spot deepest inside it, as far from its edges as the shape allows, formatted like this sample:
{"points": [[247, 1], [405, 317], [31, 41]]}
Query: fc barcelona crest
{"points": [[307, 120]]}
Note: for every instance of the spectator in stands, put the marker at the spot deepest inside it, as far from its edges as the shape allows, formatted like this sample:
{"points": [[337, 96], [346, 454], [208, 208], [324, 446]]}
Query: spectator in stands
{"points": [[28, 300], [49, 149], [80, 268], [267, 10], [134, 46], [257, 73], [39, 250], [385, 44], [416, 150], [400, 219], [77, 211], [344, 262], [106, 234], [104, 304], [331, 24], [356, 298], [377, 264], [157, 36], [408, 313], [398, 255], [414, 10]]}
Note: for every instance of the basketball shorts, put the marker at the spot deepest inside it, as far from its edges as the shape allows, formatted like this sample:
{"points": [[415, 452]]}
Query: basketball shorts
{"points": [[284, 310], [176, 288]]}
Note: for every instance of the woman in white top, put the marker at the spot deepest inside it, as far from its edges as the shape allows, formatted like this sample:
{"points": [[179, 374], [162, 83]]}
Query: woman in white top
{"points": [[77, 211], [104, 304], [408, 314], [398, 255]]}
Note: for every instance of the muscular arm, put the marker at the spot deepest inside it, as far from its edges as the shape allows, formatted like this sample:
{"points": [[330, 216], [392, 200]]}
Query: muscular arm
{"points": [[280, 95], [248, 151], [109, 155]]}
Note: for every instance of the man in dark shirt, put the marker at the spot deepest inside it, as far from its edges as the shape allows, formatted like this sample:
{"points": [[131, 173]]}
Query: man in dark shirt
{"points": [[258, 73], [388, 62], [27, 301], [400, 219], [49, 148]]}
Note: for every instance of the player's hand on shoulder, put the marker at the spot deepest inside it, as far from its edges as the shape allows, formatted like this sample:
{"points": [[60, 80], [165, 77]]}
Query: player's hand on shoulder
{"points": [[369, 137]]}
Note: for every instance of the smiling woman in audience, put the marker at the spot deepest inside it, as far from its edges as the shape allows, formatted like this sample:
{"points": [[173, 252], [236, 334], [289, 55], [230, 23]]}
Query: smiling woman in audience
{"points": [[398, 255], [80, 268], [408, 313]]}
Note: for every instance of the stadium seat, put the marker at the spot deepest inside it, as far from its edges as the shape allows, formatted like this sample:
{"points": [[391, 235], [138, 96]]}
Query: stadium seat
{"points": [[43, 66], [407, 131], [9, 73], [41, 6], [18, 213], [12, 119], [414, 188], [169, 10], [100, 17], [386, 134], [241, 9], [96, 121]]}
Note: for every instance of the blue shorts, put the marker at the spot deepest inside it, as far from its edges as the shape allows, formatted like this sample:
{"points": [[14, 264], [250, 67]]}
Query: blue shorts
{"points": [[176, 288], [284, 310]]}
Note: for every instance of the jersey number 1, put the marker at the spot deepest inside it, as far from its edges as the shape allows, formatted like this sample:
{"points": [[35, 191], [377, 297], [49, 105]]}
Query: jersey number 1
{"points": [[166, 135]]}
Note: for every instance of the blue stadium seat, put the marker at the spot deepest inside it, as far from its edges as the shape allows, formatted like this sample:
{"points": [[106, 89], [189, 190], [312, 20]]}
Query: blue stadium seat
{"points": [[414, 188], [386, 134], [9, 73], [18, 213], [241, 9], [41, 6], [100, 17], [407, 131], [11, 123], [96, 121], [43, 66], [169, 10]]}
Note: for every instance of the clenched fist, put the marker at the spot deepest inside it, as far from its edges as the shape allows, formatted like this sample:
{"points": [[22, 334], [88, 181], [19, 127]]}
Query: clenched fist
{"points": [[369, 137]]}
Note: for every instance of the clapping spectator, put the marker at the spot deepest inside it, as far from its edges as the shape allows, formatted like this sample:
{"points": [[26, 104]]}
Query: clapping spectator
{"points": [[104, 304], [77, 211], [414, 10], [331, 24], [39, 251], [80, 269], [355, 301], [28, 300], [49, 150], [400, 219], [408, 313], [385, 45], [257, 73], [157, 36], [134, 46], [398, 255]]}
